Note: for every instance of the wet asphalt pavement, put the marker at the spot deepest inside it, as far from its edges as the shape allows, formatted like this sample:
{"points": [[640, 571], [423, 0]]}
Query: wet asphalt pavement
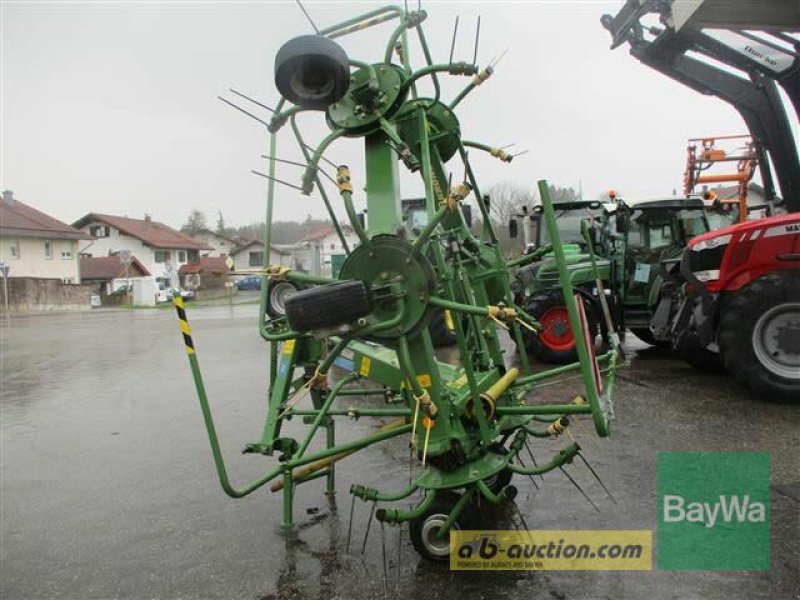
{"points": [[109, 491]]}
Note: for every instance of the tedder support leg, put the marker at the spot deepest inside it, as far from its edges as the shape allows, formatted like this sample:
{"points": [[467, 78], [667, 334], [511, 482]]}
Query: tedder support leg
{"points": [[288, 497], [330, 440]]}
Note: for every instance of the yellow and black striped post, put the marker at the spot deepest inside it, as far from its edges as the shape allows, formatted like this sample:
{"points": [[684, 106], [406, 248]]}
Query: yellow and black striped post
{"points": [[187, 333]]}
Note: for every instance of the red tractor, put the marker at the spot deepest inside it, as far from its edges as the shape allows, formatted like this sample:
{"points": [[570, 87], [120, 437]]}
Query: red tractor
{"points": [[741, 302], [736, 301]]}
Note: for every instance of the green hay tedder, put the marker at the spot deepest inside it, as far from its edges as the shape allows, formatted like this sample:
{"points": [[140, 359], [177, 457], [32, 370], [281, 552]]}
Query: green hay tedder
{"points": [[465, 422]]}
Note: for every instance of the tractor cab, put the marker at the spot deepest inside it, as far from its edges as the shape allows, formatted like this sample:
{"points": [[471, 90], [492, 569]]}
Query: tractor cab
{"points": [[569, 216], [652, 232]]}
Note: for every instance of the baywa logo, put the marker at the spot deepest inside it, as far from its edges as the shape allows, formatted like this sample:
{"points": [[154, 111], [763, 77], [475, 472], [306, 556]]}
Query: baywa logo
{"points": [[713, 511]]}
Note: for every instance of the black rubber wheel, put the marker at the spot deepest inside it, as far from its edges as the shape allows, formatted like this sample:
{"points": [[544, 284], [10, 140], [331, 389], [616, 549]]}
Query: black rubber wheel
{"points": [[328, 306], [312, 71], [278, 292], [759, 335], [555, 343], [441, 336], [647, 337], [702, 359], [423, 529]]}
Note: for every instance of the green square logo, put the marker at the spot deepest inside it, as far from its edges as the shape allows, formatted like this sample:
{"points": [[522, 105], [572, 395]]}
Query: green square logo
{"points": [[713, 511]]}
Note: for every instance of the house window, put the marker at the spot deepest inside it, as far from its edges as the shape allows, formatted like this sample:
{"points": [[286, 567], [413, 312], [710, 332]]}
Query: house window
{"points": [[48, 248], [14, 248], [333, 246], [66, 250], [100, 231], [162, 256], [256, 259], [181, 256], [193, 256]]}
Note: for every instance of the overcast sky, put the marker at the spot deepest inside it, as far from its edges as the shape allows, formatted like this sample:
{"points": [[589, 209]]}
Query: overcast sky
{"points": [[111, 106]]}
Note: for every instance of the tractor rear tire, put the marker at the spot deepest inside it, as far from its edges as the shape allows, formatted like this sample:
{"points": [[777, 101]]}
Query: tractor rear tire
{"points": [[759, 335], [555, 343], [422, 530], [647, 337], [278, 292]]}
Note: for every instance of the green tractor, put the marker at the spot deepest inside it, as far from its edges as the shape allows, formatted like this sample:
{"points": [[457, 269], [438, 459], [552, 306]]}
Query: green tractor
{"points": [[614, 252]]}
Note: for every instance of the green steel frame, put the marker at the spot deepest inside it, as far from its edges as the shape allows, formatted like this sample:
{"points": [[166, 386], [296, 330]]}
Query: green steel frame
{"points": [[469, 405]]}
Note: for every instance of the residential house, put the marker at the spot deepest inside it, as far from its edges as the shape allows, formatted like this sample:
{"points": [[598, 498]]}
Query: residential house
{"points": [[36, 245], [220, 245], [160, 249], [319, 250], [111, 273], [756, 202], [250, 255], [208, 272]]}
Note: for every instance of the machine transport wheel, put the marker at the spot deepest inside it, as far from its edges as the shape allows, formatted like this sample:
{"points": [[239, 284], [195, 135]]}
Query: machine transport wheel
{"points": [[328, 306], [441, 335], [646, 336], [423, 529], [278, 292], [702, 359], [312, 71], [759, 335], [555, 343]]}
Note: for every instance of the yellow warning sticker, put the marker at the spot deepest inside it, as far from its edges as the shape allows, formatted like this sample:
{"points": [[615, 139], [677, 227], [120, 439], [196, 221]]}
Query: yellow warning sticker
{"points": [[424, 380], [366, 363], [288, 346]]}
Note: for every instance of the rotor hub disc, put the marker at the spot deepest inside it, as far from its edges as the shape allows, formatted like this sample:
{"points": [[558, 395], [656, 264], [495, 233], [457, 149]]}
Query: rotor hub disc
{"points": [[776, 340], [556, 332], [389, 262]]}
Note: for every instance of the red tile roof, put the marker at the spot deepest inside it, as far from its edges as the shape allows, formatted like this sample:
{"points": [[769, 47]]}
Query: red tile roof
{"points": [[151, 232], [110, 267], [21, 220], [206, 264], [319, 234]]}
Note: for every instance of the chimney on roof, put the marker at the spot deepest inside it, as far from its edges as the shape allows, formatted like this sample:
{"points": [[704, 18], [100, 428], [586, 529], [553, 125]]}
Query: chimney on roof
{"points": [[8, 198], [148, 219]]}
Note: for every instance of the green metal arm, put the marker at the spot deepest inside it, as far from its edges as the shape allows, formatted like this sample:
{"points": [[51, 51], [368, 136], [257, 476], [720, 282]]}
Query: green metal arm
{"points": [[600, 412], [452, 68], [323, 412], [371, 494], [393, 515], [563, 457], [361, 22]]}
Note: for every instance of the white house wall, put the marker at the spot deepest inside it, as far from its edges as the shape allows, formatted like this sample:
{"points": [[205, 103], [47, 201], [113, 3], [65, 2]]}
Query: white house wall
{"points": [[220, 246], [241, 259], [32, 262], [117, 242]]}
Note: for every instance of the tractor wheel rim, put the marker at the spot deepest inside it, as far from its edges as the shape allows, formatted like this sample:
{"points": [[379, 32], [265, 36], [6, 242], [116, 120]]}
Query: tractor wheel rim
{"points": [[431, 526], [556, 332], [776, 340], [278, 296]]}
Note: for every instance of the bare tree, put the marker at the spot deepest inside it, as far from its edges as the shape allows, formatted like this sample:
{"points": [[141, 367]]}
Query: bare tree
{"points": [[195, 222], [507, 199]]}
